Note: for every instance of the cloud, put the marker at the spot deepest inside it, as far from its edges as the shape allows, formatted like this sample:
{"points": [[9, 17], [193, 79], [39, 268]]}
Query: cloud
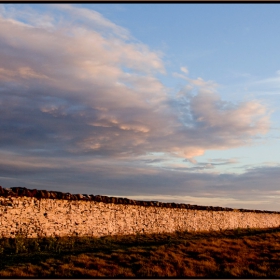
{"points": [[79, 87], [265, 86], [79, 78], [184, 70], [211, 164], [247, 118], [94, 20], [205, 85], [219, 124]]}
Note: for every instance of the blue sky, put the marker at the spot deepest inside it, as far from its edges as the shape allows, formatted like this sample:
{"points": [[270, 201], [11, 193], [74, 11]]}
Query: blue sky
{"points": [[168, 102]]}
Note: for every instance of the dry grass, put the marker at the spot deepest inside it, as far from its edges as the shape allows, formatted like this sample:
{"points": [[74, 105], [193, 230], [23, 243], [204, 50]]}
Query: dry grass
{"points": [[225, 254]]}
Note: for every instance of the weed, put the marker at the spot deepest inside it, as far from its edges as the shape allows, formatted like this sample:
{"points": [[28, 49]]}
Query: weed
{"points": [[50, 243], [20, 244], [237, 231], [34, 245]]}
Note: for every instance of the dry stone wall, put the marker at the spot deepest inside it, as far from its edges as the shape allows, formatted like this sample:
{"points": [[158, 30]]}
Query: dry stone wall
{"points": [[80, 215]]}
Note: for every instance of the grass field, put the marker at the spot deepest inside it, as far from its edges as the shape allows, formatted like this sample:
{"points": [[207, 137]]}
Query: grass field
{"points": [[225, 254]]}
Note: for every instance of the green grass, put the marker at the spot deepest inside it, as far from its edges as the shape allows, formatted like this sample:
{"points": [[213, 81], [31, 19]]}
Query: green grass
{"points": [[239, 253]]}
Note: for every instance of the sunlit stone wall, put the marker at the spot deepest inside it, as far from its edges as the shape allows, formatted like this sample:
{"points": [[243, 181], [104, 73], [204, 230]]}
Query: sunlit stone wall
{"points": [[35, 217]]}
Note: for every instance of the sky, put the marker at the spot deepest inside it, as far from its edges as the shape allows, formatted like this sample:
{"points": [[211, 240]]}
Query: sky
{"points": [[167, 102]]}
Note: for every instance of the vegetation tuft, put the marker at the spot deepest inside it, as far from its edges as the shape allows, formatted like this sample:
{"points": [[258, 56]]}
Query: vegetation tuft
{"points": [[239, 253]]}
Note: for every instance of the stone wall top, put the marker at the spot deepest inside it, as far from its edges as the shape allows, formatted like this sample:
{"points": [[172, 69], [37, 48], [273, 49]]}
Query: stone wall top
{"points": [[20, 192]]}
